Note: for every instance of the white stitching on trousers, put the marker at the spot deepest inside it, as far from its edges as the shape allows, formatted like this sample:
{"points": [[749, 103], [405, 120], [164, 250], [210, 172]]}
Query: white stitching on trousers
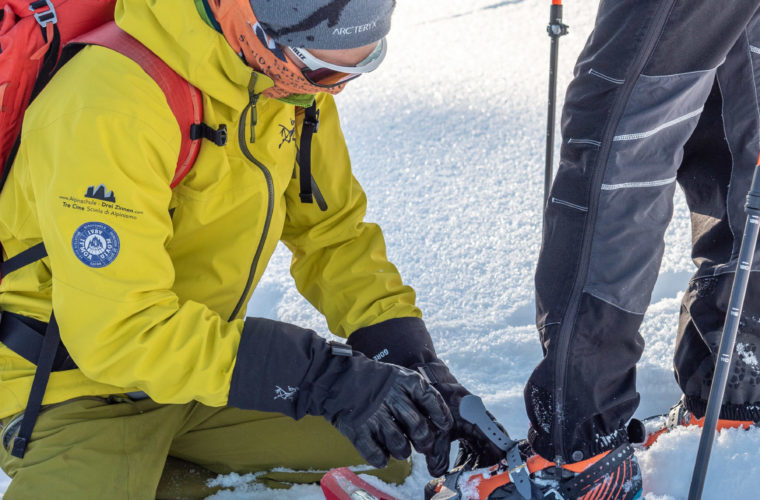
{"points": [[568, 204], [584, 141], [649, 133], [605, 77], [627, 185]]}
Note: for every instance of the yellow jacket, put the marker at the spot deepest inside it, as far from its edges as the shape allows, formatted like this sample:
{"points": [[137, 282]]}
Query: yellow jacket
{"points": [[163, 312]]}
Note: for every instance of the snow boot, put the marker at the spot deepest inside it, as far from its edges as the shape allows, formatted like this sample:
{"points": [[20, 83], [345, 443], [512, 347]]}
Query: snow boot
{"points": [[612, 475], [679, 416]]}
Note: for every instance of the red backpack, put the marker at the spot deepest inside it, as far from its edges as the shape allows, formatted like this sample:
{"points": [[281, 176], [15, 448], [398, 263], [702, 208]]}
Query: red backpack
{"points": [[36, 37]]}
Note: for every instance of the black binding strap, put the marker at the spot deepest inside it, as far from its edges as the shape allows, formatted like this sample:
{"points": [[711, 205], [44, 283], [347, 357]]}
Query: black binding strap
{"points": [[47, 357], [582, 482], [21, 259], [310, 127]]}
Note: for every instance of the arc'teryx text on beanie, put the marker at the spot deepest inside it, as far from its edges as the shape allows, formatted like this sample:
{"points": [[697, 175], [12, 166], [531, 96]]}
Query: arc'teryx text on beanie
{"points": [[324, 24]]}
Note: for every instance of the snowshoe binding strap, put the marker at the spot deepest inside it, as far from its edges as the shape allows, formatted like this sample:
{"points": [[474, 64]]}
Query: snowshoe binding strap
{"points": [[471, 409], [678, 415]]}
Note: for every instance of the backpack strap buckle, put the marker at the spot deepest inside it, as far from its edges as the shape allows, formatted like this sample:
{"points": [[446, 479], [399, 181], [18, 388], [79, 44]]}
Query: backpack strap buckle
{"points": [[46, 16], [312, 120]]}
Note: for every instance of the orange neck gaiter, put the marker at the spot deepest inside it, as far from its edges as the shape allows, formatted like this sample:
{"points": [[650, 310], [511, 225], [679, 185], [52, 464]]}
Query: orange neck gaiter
{"points": [[246, 36]]}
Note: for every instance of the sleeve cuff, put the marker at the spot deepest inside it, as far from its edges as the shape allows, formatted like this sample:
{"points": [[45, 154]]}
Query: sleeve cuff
{"points": [[401, 341]]}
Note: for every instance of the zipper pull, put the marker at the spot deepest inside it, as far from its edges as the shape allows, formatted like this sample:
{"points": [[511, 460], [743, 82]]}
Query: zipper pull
{"points": [[253, 98]]}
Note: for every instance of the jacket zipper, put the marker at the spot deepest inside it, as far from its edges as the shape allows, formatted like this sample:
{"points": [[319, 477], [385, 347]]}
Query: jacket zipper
{"points": [[251, 107], [567, 327]]}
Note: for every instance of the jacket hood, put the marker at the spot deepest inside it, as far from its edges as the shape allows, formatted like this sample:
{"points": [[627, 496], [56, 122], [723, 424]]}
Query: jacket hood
{"points": [[176, 33]]}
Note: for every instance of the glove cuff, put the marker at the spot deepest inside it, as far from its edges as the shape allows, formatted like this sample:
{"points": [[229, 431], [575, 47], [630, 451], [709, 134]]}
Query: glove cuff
{"points": [[290, 370], [401, 341]]}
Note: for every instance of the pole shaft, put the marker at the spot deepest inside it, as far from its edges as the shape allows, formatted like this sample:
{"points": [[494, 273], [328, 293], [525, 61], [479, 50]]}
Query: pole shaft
{"points": [[548, 171], [556, 29], [728, 338]]}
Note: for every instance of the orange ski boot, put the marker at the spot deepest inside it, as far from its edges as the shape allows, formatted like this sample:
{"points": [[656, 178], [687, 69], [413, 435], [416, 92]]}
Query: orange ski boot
{"points": [[612, 475]]}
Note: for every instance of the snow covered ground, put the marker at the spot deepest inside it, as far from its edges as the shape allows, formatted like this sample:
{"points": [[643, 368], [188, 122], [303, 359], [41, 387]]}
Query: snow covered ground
{"points": [[447, 139]]}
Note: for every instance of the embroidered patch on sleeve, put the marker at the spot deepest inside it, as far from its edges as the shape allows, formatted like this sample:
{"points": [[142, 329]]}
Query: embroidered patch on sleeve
{"points": [[99, 200], [95, 244]]}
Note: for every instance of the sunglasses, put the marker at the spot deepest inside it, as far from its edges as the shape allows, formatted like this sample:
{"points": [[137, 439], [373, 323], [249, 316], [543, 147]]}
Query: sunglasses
{"points": [[326, 75]]}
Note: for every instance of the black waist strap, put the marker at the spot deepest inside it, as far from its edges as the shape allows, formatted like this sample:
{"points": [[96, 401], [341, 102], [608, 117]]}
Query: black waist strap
{"points": [[24, 336], [38, 343], [50, 345], [20, 260]]}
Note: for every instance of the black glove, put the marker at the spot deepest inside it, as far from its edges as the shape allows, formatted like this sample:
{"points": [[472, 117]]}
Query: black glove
{"points": [[411, 411], [380, 408], [406, 342], [474, 447]]}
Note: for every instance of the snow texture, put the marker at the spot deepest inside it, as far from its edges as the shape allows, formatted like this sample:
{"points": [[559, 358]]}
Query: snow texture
{"points": [[447, 139]]}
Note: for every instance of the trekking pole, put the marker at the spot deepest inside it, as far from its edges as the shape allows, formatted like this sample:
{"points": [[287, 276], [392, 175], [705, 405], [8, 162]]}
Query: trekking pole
{"points": [[728, 338], [556, 29]]}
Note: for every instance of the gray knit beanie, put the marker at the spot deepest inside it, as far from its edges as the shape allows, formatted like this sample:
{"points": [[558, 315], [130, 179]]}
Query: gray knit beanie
{"points": [[324, 24]]}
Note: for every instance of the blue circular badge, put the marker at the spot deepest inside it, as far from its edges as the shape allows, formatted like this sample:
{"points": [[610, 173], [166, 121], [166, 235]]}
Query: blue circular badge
{"points": [[95, 244]]}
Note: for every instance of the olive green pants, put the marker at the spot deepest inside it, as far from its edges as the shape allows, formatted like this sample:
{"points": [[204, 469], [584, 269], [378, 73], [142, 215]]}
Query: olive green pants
{"points": [[117, 448]]}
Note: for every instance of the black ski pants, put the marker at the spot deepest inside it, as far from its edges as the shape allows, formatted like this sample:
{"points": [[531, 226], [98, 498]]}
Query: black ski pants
{"points": [[665, 92]]}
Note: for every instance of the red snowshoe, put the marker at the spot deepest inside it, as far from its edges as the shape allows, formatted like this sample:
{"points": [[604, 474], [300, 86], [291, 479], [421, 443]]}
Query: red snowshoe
{"points": [[342, 484]]}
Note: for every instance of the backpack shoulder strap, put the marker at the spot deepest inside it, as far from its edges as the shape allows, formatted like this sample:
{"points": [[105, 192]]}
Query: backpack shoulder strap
{"points": [[183, 98]]}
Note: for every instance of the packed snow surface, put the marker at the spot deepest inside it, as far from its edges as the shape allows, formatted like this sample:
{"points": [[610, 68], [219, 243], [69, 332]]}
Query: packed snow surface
{"points": [[447, 139]]}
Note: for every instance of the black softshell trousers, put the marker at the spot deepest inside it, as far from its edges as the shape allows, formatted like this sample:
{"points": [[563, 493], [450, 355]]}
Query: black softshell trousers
{"points": [[665, 92]]}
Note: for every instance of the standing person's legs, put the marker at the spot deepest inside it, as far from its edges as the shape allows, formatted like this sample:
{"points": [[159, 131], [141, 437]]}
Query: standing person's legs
{"points": [[640, 86], [717, 170]]}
